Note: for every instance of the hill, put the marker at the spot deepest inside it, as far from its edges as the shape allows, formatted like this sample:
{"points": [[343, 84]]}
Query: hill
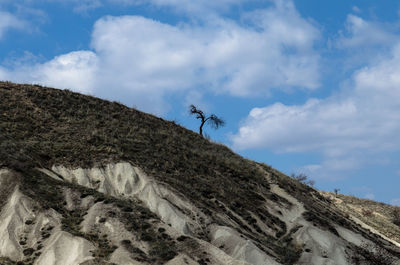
{"points": [[381, 217], [88, 181]]}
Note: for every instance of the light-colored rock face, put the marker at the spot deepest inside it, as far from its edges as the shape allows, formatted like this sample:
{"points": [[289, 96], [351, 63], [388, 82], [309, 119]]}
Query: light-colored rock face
{"points": [[25, 231], [323, 247], [218, 256], [239, 248], [64, 248], [182, 260], [124, 180], [13, 217], [121, 256], [22, 227]]}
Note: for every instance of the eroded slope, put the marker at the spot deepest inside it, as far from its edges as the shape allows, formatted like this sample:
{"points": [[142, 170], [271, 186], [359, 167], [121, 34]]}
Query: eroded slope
{"points": [[379, 216], [129, 188]]}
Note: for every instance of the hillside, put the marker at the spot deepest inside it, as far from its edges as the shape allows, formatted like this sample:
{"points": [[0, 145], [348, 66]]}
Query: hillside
{"points": [[88, 181], [381, 217]]}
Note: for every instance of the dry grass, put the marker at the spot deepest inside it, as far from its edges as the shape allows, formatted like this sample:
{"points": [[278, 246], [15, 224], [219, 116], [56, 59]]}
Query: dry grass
{"points": [[379, 216], [40, 127], [48, 126]]}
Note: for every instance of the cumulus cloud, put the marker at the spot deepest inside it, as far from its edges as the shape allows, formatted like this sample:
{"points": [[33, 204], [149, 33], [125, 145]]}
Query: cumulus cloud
{"points": [[75, 70], [148, 59], [362, 120], [9, 21], [227, 57]]}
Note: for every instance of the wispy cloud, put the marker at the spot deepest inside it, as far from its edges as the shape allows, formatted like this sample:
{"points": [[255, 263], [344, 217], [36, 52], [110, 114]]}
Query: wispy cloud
{"points": [[9, 21], [356, 9], [197, 7], [369, 196], [362, 33], [395, 201], [82, 6]]}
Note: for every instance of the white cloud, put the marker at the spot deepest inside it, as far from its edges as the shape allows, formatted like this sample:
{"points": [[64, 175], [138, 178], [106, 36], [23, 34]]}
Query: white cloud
{"points": [[155, 58], [363, 120], [75, 70], [9, 21], [147, 59], [301, 128], [362, 33], [227, 57], [364, 42]]}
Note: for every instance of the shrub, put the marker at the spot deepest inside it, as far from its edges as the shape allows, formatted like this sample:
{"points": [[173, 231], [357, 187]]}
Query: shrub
{"points": [[303, 178]]}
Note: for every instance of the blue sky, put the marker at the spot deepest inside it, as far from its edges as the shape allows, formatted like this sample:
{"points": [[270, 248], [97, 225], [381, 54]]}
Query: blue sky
{"points": [[305, 86]]}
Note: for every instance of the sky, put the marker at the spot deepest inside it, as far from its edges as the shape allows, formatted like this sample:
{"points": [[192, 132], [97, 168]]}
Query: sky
{"points": [[308, 87]]}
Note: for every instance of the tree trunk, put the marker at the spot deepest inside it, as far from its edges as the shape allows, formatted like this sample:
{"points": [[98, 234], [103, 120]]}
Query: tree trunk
{"points": [[201, 127], [203, 121]]}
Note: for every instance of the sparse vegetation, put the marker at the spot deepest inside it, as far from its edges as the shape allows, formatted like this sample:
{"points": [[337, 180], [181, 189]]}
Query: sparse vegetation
{"points": [[41, 127], [303, 178], [375, 214], [368, 254], [83, 131]]}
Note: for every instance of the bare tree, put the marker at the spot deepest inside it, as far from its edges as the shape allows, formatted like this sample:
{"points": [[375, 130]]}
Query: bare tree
{"points": [[336, 191], [213, 120]]}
